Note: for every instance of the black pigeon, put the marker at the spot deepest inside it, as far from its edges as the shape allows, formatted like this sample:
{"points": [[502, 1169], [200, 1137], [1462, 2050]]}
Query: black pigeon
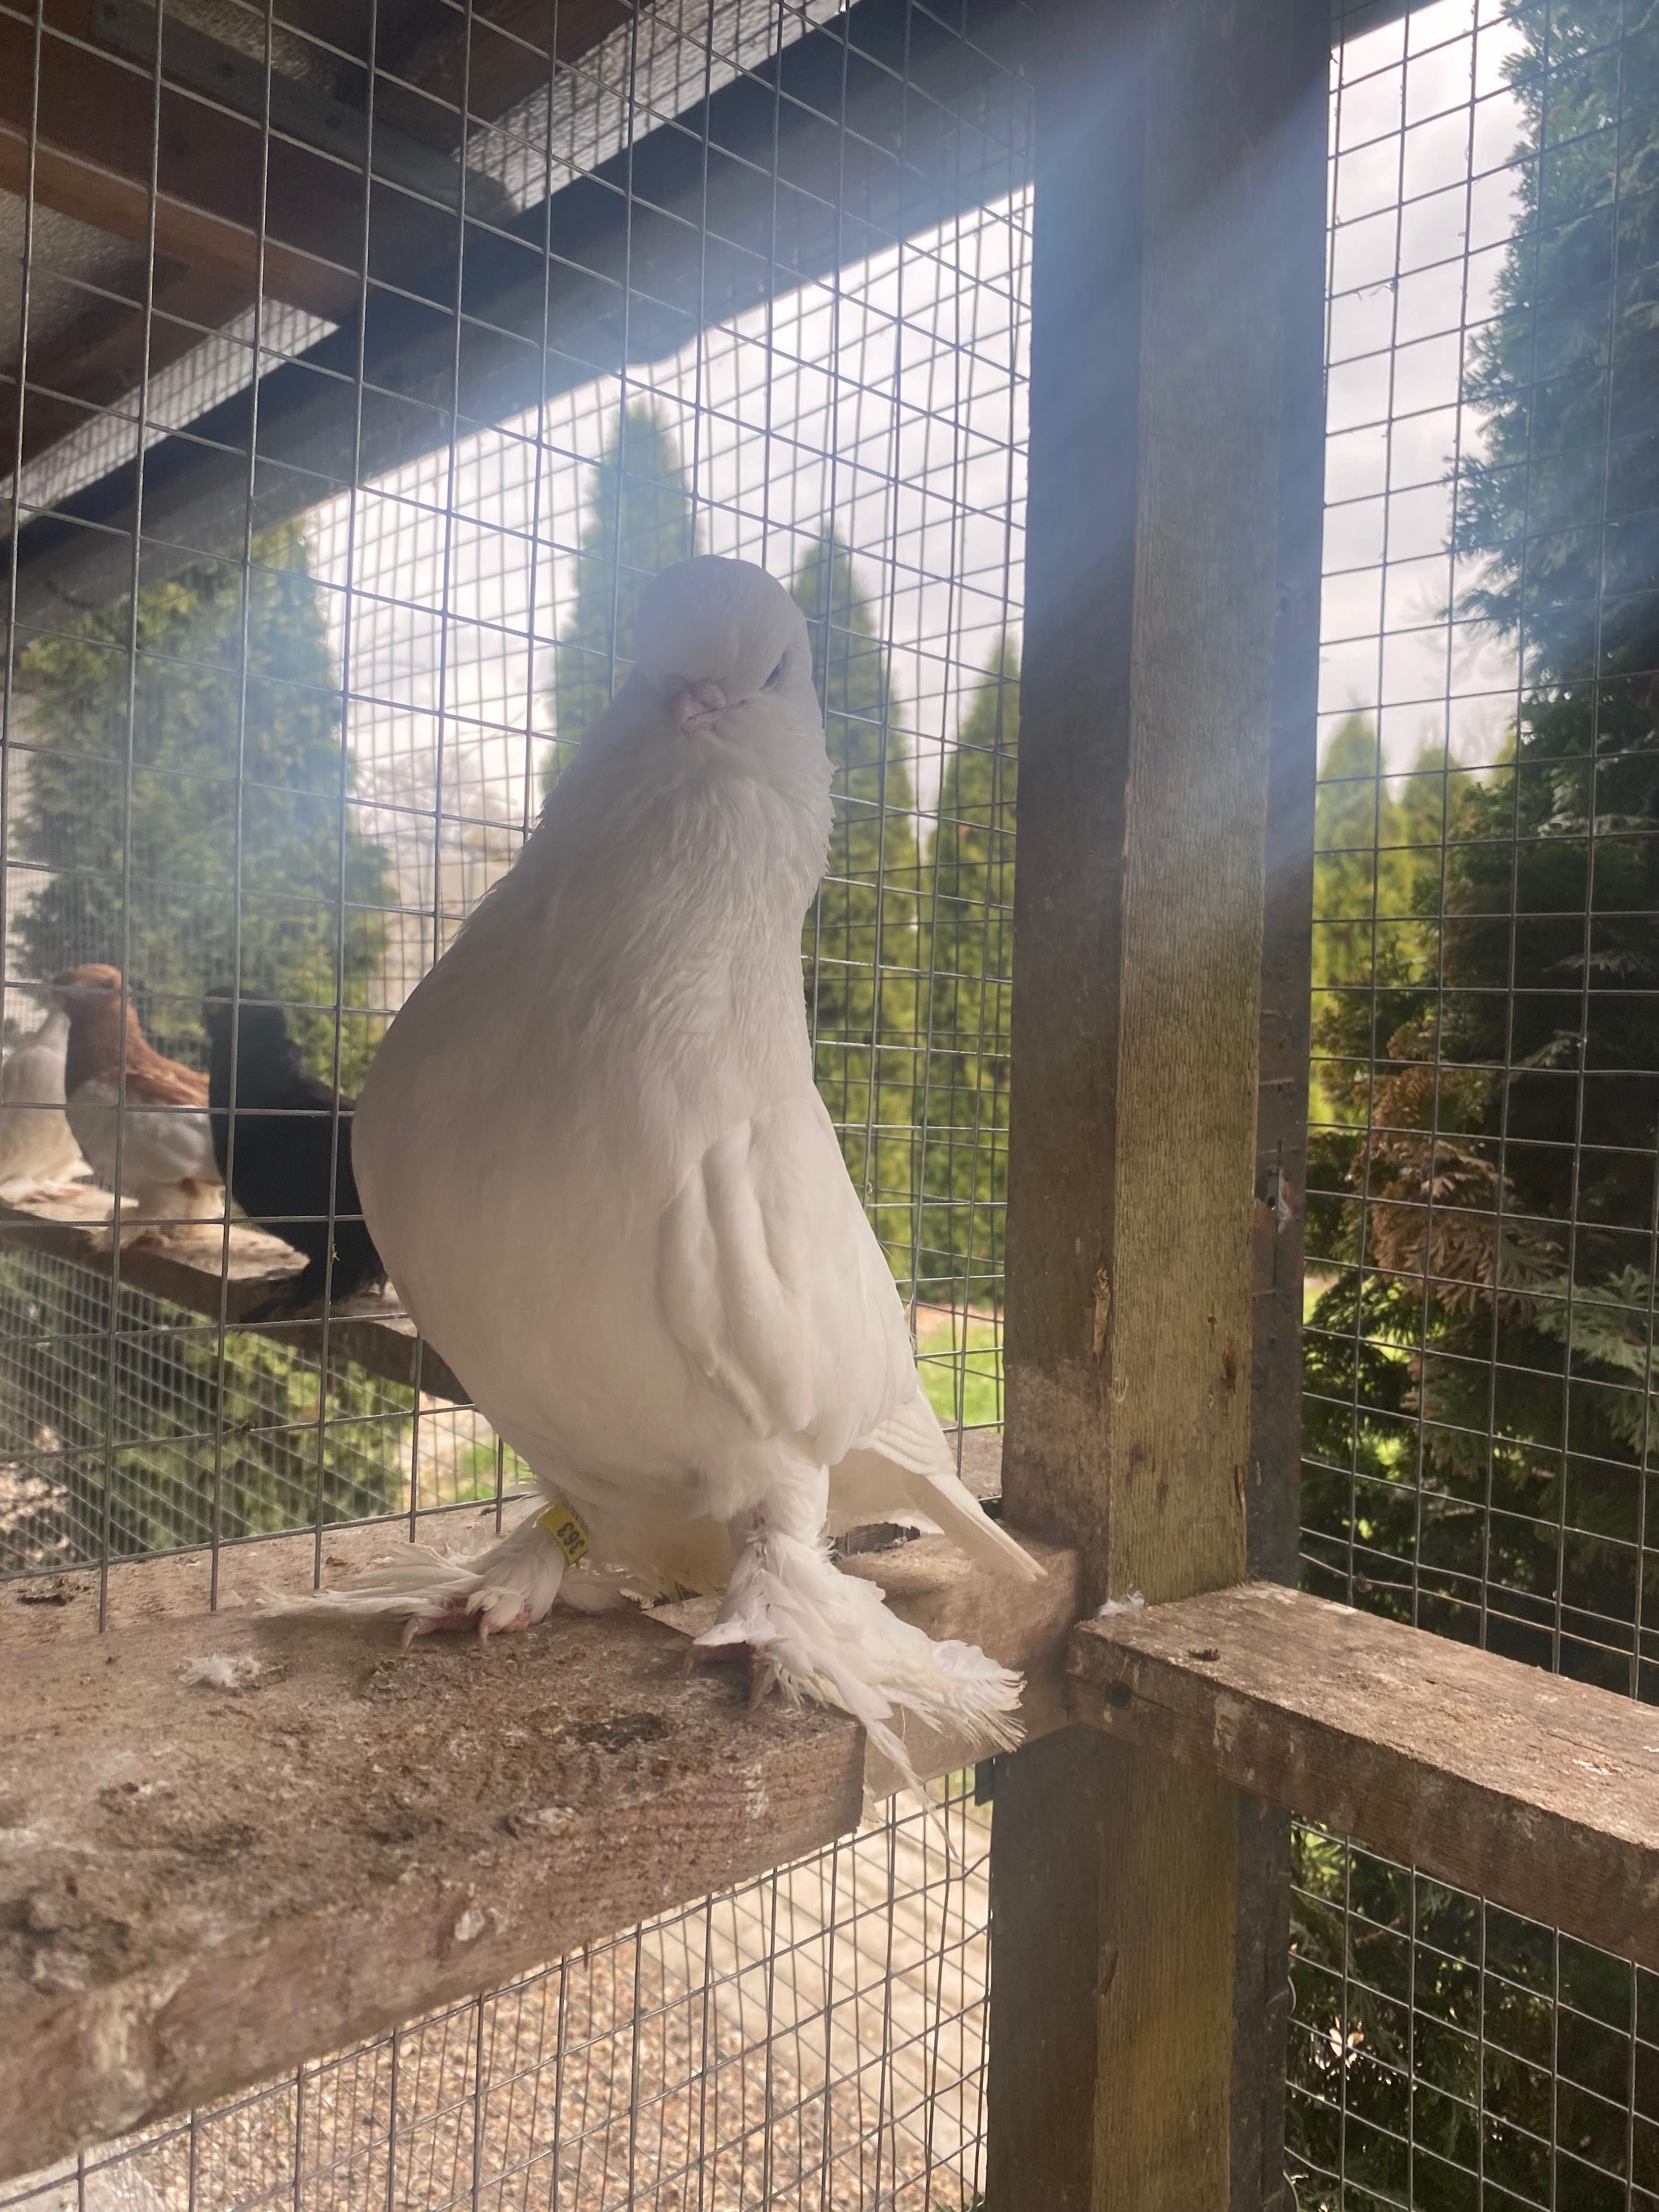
{"points": [[284, 1173]]}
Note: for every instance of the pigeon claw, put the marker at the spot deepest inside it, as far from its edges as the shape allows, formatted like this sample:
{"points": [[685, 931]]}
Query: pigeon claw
{"points": [[762, 1678], [762, 1675], [453, 1616]]}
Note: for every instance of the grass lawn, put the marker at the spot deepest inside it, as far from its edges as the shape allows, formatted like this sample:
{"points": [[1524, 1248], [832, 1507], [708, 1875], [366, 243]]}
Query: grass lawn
{"points": [[961, 1360]]}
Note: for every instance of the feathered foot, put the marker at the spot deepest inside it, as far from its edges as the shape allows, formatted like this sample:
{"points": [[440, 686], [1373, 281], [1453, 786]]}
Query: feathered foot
{"points": [[507, 1586], [822, 1635]]}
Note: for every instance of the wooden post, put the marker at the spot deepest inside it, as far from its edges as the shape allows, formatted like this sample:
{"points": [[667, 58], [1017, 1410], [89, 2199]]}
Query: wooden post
{"points": [[1155, 1173]]}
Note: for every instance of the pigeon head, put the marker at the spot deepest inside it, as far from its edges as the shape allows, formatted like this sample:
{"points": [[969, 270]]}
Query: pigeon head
{"points": [[88, 986], [261, 1023], [724, 648]]}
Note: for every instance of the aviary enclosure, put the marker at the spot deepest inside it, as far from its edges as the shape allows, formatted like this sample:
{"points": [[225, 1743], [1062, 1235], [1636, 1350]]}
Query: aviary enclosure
{"points": [[1298, 1108]]}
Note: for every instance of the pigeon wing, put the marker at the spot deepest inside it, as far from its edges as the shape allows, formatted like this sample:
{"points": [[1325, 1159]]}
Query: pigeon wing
{"points": [[165, 1145], [773, 1286]]}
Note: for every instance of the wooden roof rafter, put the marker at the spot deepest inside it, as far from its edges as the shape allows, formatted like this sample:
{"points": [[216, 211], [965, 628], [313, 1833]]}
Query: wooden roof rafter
{"points": [[308, 206]]}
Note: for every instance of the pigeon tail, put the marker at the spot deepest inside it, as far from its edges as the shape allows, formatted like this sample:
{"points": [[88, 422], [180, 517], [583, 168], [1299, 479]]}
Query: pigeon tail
{"points": [[510, 1584], [819, 1634]]}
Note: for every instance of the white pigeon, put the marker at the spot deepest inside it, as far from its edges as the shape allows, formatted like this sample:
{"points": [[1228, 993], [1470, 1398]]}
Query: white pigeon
{"points": [[37, 1147], [592, 1154]]}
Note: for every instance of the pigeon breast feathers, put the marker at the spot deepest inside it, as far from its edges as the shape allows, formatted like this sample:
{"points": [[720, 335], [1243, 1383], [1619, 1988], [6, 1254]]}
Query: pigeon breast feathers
{"points": [[128, 1103]]}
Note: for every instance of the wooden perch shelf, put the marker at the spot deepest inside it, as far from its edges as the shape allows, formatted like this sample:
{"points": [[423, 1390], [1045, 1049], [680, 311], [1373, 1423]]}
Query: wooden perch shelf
{"points": [[374, 1331], [200, 1887], [1540, 1794]]}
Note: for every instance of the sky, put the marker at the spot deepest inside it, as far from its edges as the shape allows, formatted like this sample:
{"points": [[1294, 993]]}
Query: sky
{"points": [[1424, 198], [891, 402]]}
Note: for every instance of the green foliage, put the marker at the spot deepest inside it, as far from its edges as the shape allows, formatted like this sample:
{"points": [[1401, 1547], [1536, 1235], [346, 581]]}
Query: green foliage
{"points": [[1377, 870], [1421, 2016], [967, 920], [1481, 1369], [1566, 494], [179, 901], [639, 521], [159, 1389], [149, 1431], [861, 941]]}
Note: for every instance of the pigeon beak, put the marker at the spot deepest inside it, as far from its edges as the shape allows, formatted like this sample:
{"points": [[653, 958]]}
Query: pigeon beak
{"points": [[697, 708]]}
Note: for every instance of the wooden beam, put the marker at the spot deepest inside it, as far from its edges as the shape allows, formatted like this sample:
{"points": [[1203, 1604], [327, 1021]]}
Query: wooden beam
{"points": [[230, 200], [198, 1889], [508, 59], [653, 246], [1537, 1792], [1176, 283], [373, 1330], [97, 362], [102, 126], [73, 180], [201, 1889], [101, 360]]}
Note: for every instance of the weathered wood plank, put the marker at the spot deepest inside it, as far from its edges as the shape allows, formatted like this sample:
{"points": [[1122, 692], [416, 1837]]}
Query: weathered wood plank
{"points": [[374, 1330], [1539, 1793], [198, 1888], [1174, 402]]}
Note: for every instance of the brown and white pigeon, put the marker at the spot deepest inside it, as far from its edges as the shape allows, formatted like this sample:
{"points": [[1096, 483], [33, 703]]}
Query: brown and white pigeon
{"points": [[133, 1111], [593, 1155]]}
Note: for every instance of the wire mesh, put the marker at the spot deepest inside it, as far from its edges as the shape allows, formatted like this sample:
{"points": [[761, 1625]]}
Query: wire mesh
{"points": [[314, 591], [323, 555], [1480, 1290], [813, 2040], [286, 743], [1447, 2053]]}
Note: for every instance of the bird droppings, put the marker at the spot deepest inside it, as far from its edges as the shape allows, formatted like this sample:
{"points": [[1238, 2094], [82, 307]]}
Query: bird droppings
{"points": [[233, 1671], [471, 1926], [617, 1731], [538, 1820], [51, 1589], [1131, 1602]]}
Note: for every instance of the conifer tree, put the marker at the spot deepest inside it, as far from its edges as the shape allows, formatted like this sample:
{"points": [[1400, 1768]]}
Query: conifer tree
{"points": [[967, 923], [1377, 866], [860, 942], [194, 1441], [180, 894], [639, 520], [1510, 1320]]}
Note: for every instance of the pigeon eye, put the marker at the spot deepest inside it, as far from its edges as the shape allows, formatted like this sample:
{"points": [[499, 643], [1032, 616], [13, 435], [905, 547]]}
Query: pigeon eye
{"points": [[771, 684]]}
